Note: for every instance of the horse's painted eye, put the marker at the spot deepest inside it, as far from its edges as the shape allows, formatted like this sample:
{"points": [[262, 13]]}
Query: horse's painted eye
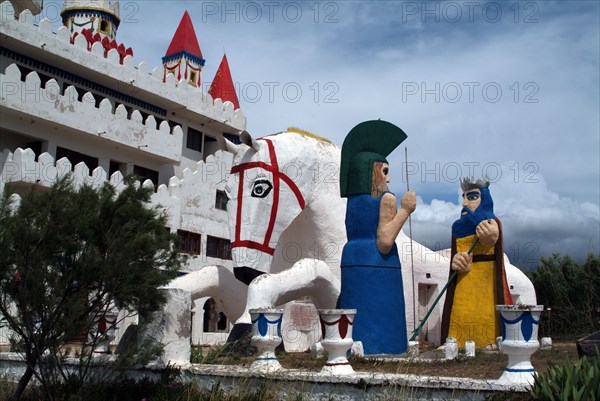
{"points": [[261, 188]]}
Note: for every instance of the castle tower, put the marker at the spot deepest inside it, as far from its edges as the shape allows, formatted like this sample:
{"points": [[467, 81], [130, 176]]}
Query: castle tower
{"points": [[222, 86], [99, 16], [183, 58]]}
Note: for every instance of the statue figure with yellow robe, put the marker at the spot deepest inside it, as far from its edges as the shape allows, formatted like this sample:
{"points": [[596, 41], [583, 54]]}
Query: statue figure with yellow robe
{"points": [[478, 257]]}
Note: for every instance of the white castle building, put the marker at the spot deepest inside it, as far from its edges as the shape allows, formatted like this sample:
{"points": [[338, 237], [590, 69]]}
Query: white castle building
{"points": [[74, 100]]}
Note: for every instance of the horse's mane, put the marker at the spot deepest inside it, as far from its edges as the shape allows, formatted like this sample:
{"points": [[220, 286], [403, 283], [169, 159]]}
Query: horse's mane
{"points": [[295, 130]]}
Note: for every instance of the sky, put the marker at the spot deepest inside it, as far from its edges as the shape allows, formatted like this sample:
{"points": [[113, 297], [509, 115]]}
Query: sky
{"points": [[507, 89]]}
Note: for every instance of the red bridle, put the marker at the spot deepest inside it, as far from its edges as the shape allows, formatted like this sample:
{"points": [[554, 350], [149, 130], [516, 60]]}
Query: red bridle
{"points": [[277, 177]]}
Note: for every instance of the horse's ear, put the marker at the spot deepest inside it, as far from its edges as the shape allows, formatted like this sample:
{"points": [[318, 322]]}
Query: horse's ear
{"points": [[226, 144], [247, 139]]}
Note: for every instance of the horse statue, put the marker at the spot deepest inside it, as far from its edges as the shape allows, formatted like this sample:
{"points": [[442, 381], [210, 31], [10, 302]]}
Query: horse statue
{"points": [[287, 229], [287, 233], [287, 219]]}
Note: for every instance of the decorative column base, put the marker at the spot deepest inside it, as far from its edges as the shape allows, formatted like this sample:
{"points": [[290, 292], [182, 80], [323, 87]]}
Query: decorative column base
{"points": [[266, 336], [336, 326], [519, 341]]}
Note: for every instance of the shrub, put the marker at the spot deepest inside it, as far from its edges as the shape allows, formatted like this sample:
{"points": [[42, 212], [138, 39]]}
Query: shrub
{"points": [[573, 382]]}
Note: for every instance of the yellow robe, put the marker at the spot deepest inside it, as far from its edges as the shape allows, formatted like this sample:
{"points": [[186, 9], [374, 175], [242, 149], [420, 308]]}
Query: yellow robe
{"points": [[474, 315]]}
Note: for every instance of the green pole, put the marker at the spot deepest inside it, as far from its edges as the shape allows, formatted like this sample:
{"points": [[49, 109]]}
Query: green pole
{"points": [[452, 277]]}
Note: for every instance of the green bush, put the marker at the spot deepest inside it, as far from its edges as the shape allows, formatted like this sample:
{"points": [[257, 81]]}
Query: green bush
{"points": [[569, 382], [571, 293]]}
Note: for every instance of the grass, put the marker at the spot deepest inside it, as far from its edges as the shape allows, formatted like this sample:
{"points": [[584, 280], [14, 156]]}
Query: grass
{"points": [[170, 388], [486, 365]]}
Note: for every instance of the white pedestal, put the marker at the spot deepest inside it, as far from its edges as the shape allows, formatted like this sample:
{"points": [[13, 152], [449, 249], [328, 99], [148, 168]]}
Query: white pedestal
{"points": [[519, 341], [336, 325], [266, 336]]}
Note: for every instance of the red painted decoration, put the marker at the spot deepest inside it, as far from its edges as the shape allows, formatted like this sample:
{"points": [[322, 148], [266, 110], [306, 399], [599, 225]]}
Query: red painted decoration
{"points": [[185, 38], [277, 177], [222, 86], [343, 321], [106, 43]]}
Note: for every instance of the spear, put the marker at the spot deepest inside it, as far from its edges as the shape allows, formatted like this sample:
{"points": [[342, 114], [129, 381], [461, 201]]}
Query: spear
{"points": [[452, 277], [412, 266]]}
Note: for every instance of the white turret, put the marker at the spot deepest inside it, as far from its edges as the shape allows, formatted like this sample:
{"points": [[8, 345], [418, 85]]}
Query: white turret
{"points": [[99, 16]]}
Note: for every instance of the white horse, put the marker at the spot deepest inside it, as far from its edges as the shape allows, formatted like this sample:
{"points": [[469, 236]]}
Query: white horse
{"points": [[287, 227], [287, 232], [287, 219]]}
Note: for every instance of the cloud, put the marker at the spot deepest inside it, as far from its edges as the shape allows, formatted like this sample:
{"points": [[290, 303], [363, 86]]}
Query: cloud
{"points": [[536, 221], [518, 89]]}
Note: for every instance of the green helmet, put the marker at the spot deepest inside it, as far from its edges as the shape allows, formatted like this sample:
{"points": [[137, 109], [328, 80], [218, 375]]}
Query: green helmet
{"points": [[368, 142]]}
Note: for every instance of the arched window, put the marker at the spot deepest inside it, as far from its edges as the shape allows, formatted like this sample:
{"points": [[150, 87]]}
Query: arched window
{"points": [[193, 78], [211, 316], [222, 323], [104, 26]]}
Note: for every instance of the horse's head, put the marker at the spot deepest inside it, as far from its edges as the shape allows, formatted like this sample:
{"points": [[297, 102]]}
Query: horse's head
{"points": [[268, 187]]}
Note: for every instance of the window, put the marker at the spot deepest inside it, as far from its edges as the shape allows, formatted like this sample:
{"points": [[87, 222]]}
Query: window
{"points": [[214, 321], [115, 166], [146, 174], [218, 248], [193, 78], [103, 26], [194, 139], [76, 157], [235, 139], [208, 139], [189, 242], [36, 147], [222, 323], [221, 200]]}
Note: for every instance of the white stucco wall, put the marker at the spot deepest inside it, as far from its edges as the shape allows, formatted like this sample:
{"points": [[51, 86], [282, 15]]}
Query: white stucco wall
{"points": [[138, 79]]}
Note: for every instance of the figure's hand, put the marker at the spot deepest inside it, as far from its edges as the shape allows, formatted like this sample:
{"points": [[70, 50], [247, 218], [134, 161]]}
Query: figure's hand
{"points": [[462, 262], [487, 231], [409, 202]]}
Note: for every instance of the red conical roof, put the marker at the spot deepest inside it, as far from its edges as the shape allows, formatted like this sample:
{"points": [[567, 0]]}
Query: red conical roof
{"points": [[222, 86], [185, 39]]}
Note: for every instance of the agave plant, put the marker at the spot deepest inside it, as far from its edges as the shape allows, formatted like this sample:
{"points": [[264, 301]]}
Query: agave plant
{"points": [[570, 382]]}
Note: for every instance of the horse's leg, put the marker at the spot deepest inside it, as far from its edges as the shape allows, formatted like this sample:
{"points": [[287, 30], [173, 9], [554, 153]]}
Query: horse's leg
{"points": [[216, 282], [171, 325], [307, 277]]}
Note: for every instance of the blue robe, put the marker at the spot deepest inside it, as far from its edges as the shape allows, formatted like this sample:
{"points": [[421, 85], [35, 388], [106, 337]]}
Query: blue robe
{"points": [[372, 282]]}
